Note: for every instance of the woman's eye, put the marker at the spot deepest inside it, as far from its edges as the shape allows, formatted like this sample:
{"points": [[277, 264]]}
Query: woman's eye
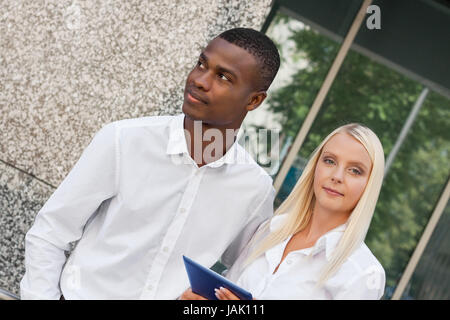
{"points": [[355, 171], [329, 161]]}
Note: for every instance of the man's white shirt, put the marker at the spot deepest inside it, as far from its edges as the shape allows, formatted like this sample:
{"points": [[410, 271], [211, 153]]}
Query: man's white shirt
{"points": [[133, 204]]}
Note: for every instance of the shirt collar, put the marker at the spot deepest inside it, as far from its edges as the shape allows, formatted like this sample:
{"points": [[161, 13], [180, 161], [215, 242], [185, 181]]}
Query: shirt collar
{"points": [[177, 143], [327, 242]]}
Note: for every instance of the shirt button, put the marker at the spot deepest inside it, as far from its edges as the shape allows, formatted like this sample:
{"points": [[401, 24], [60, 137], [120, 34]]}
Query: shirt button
{"points": [[166, 249], [150, 287], [289, 261], [182, 210]]}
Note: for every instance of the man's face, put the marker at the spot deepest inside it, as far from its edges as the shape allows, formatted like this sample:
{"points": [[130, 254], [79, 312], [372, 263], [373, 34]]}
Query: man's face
{"points": [[219, 89]]}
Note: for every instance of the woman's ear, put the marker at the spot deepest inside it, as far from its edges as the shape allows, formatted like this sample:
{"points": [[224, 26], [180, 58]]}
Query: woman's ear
{"points": [[256, 100]]}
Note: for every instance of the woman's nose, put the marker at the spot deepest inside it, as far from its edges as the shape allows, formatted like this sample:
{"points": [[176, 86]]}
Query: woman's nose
{"points": [[338, 175]]}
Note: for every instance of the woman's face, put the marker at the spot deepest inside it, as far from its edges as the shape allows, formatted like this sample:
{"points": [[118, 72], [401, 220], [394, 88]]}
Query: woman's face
{"points": [[341, 174]]}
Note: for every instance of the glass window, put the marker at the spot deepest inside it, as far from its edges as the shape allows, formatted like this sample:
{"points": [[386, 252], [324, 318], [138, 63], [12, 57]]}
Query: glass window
{"points": [[411, 189], [431, 278], [306, 56], [374, 95]]}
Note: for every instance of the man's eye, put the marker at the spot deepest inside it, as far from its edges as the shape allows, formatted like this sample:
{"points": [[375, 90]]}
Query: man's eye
{"points": [[223, 77], [200, 64]]}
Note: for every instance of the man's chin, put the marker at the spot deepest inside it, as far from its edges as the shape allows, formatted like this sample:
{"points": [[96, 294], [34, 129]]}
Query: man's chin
{"points": [[191, 113]]}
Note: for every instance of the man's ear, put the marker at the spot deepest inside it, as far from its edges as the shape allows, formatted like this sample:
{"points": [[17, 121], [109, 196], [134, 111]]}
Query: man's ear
{"points": [[256, 100]]}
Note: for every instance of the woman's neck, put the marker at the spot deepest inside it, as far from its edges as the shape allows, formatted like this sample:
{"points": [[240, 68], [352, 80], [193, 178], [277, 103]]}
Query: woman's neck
{"points": [[322, 221]]}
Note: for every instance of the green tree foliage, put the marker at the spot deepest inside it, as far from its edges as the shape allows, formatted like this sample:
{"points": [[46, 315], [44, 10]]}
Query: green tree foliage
{"points": [[372, 94]]}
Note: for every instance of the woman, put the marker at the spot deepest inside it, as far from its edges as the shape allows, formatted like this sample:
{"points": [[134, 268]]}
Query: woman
{"points": [[313, 247]]}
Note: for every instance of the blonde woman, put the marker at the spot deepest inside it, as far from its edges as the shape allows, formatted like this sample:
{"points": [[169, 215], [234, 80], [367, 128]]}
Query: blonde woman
{"points": [[313, 247]]}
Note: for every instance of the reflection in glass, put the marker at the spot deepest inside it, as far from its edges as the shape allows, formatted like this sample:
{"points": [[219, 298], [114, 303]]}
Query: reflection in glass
{"points": [[431, 278], [411, 189], [374, 95], [306, 57]]}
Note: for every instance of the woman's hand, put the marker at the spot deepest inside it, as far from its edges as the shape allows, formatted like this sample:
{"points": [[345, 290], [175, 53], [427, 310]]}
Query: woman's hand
{"points": [[225, 294], [189, 295]]}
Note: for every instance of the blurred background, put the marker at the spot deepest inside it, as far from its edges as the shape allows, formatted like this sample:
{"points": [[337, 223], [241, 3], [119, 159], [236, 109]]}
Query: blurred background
{"points": [[69, 67]]}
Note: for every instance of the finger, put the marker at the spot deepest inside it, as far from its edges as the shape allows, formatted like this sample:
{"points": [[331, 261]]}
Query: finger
{"points": [[219, 295], [228, 294], [185, 294]]}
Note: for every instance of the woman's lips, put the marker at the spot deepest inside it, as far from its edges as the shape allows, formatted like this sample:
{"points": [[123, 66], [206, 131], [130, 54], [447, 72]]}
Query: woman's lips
{"points": [[332, 192]]}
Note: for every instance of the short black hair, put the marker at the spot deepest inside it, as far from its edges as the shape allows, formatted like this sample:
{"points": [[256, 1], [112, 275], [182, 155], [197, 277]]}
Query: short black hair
{"points": [[261, 47]]}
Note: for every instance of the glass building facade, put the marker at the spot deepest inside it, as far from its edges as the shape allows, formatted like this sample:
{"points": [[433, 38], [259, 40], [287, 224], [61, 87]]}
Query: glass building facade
{"points": [[391, 79], [388, 69]]}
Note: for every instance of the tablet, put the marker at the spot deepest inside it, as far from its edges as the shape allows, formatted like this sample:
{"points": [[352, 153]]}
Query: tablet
{"points": [[204, 281]]}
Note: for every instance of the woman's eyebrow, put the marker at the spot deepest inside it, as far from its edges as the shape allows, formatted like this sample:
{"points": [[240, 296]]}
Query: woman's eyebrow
{"points": [[357, 163]]}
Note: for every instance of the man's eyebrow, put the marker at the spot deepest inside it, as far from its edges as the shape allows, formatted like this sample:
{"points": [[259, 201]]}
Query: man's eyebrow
{"points": [[219, 67], [202, 55], [351, 162]]}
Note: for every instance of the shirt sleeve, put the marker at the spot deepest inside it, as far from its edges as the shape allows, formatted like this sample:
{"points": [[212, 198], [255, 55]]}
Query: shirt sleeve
{"points": [[263, 211], [368, 285], [61, 220]]}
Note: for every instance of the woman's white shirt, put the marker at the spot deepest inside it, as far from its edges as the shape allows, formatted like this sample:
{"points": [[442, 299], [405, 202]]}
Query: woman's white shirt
{"points": [[361, 276]]}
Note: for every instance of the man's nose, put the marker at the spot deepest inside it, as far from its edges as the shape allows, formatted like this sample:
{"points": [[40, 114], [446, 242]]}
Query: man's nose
{"points": [[203, 81]]}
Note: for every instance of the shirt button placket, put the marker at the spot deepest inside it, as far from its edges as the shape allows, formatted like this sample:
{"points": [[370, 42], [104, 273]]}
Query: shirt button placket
{"points": [[174, 231]]}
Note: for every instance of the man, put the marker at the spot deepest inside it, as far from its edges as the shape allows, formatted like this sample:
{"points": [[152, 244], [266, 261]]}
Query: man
{"points": [[148, 190]]}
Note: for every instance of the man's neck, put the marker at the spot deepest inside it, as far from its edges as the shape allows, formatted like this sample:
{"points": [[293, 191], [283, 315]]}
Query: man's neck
{"points": [[207, 143]]}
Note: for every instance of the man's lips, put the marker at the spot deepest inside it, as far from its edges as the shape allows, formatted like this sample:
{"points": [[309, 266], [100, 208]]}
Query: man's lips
{"points": [[195, 97], [332, 191]]}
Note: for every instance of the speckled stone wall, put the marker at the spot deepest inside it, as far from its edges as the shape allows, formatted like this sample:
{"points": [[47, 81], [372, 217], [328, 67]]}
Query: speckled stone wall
{"points": [[69, 67]]}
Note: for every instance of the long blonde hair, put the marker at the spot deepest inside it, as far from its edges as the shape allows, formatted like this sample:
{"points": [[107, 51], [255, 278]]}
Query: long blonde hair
{"points": [[299, 204]]}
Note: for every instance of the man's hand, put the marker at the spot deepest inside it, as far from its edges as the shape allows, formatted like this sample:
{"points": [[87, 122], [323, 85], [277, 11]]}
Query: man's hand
{"points": [[189, 295]]}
